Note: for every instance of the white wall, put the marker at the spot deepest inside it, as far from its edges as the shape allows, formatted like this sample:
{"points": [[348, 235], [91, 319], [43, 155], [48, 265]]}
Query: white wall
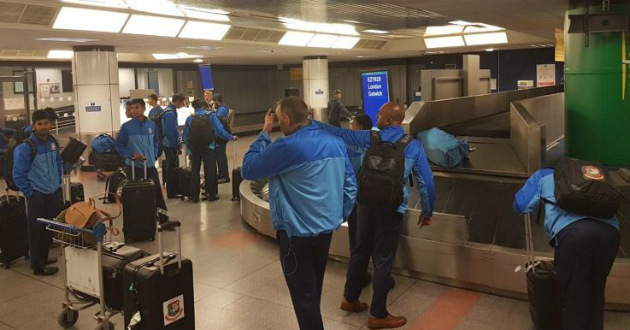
{"points": [[52, 76], [126, 80], [165, 81]]}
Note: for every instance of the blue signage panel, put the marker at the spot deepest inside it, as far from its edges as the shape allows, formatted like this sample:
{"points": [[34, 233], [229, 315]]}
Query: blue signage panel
{"points": [[206, 77], [375, 86]]}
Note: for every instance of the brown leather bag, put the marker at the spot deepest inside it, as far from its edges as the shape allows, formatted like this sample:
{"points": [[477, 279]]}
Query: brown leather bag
{"points": [[86, 214]]}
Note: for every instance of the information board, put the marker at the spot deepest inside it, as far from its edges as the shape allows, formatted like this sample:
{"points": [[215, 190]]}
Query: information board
{"points": [[375, 86]]}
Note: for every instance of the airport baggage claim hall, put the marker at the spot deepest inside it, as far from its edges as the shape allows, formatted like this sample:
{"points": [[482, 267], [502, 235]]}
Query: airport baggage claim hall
{"points": [[315, 164]]}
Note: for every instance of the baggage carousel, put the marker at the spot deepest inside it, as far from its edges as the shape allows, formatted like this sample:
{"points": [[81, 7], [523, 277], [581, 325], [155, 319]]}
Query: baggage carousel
{"points": [[477, 240]]}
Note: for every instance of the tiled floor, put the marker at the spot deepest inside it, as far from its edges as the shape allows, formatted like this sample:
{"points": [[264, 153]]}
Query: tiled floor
{"points": [[239, 284]]}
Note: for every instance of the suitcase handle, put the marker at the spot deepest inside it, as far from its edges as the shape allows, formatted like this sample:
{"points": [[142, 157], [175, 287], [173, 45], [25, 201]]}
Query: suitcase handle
{"points": [[133, 169], [235, 155], [165, 226]]}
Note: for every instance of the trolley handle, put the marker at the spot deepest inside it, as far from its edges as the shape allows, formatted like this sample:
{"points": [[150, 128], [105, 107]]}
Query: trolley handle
{"points": [[133, 168], [98, 231], [161, 227]]}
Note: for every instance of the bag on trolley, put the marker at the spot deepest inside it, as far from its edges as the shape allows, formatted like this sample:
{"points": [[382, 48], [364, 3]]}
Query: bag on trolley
{"points": [[13, 233], [139, 207], [159, 290], [115, 258]]}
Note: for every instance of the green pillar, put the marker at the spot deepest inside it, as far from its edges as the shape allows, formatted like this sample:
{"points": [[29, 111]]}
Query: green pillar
{"points": [[597, 112]]}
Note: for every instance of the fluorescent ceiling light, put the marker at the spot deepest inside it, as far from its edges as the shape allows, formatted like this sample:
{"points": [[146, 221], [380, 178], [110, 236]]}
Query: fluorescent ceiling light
{"points": [[486, 39], [376, 31], [443, 30], [204, 31], [444, 42], [100, 3], [352, 21], [345, 42], [198, 60], [60, 54], [482, 28], [323, 40], [295, 38], [296, 24], [77, 40], [206, 14], [164, 7], [186, 55], [490, 49], [460, 22], [89, 20], [165, 56], [153, 26]]}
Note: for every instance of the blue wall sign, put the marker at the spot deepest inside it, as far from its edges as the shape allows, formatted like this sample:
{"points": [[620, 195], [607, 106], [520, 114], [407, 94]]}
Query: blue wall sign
{"points": [[375, 86]]}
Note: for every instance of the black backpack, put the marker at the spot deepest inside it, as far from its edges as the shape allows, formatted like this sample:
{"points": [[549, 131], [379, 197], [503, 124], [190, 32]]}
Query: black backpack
{"points": [[585, 188], [160, 133], [201, 132], [382, 175], [226, 127], [10, 162]]}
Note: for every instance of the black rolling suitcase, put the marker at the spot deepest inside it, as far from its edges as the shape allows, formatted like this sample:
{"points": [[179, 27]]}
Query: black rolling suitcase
{"points": [[115, 258], [543, 289], [159, 290], [139, 207], [77, 193], [185, 182], [113, 183], [13, 230], [236, 178]]}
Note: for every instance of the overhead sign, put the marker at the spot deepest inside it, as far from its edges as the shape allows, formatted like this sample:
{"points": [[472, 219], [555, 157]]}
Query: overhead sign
{"points": [[545, 75], [375, 86], [525, 84], [92, 107], [296, 74]]}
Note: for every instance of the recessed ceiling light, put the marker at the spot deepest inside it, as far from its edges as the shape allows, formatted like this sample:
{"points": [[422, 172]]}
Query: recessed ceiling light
{"points": [[295, 38], [352, 21], [153, 26], [345, 42], [443, 30], [186, 55], [89, 20], [165, 56], [164, 7], [486, 39], [77, 40], [204, 31], [490, 49], [296, 24], [460, 22], [198, 60], [376, 31], [60, 54], [444, 42], [323, 40], [100, 3]]}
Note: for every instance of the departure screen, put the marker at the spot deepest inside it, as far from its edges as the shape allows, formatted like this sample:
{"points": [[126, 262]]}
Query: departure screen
{"points": [[375, 86], [206, 77]]}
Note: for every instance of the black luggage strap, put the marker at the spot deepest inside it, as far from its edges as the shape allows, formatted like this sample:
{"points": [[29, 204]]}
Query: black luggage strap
{"points": [[404, 141], [541, 207], [375, 138]]}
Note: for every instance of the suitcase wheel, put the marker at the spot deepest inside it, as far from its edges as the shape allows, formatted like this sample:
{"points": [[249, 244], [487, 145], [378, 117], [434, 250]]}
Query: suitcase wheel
{"points": [[68, 318]]}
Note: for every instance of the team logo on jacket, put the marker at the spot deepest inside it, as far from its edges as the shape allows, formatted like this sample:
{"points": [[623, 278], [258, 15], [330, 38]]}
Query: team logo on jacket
{"points": [[53, 147], [150, 130], [592, 173], [173, 309]]}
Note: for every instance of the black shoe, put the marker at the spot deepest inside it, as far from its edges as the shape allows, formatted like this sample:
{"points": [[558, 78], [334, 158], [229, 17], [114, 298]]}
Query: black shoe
{"points": [[215, 198], [46, 271], [195, 200], [51, 261], [173, 196], [223, 180], [367, 279]]}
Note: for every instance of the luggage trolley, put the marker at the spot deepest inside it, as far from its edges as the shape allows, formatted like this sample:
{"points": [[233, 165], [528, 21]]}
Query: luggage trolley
{"points": [[82, 251]]}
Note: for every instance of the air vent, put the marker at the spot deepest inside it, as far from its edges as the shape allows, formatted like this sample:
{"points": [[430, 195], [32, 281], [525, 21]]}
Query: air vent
{"points": [[258, 35], [38, 15], [10, 52], [22, 53], [370, 44], [11, 12], [235, 33]]}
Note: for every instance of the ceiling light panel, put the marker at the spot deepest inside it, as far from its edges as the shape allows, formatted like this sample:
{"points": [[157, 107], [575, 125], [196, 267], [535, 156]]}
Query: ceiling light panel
{"points": [[295, 38], [204, 31], [89, 20], [323, 41], [153, 26], [461, 23], [345, 42], [482, 28], [165, 56], [486, 39], [296, 24], [444, 42], [77, 40], [443, 30], [186, 55], [376, 31], [60, 54], [100, 3], [164, 7]]}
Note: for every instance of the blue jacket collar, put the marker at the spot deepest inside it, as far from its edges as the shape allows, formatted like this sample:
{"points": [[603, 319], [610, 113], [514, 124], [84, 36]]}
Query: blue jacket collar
{"points": [[200, 112], [392, 129], [138, 121]]}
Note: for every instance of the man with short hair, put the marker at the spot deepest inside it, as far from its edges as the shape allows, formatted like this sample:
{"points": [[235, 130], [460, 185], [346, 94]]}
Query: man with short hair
{"points": [[208, 96], [378, 230], [156, 110], [206, 154], [128, 109], [222, 112], [313, 188], [37, 171], [138, 140], [336, 109], [169, 130]]}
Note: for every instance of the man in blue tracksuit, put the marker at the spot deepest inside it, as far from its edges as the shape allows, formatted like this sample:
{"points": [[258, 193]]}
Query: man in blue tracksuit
{"points": [[585, 250], [138, 140], [206, 154], [37, 171], [378, 231], [171, 143], [222, 163], [312, 188]]}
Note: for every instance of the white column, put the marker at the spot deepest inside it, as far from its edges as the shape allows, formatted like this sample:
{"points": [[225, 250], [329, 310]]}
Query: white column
{"points": [[95, 78], [315, 79], [472, 75]]}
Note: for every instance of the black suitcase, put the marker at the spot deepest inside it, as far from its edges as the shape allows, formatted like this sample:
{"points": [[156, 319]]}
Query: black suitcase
{"points": [[77, 193], [13, 230], [107, 161], [163, 297], [236, 178], [115, 258], [543, 289], [113, 183], [139, 208], [185, 182], [73, 151]]}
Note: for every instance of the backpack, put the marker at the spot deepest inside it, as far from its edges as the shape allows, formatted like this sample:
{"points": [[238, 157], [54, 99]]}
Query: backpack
{"points": [[10, 162], [160, 132], [104, 143], [201, 132], [443, 149], [113, 184], [585, 188], [382, 175], [226, 127]]}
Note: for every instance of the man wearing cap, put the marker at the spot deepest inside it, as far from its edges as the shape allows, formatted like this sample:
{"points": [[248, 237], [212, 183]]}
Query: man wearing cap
{"points": [[37, 171], [336, 109]]}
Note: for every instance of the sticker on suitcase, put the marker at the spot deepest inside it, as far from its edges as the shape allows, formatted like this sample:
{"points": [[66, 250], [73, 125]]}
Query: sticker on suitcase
{"points": [[173, 309]]}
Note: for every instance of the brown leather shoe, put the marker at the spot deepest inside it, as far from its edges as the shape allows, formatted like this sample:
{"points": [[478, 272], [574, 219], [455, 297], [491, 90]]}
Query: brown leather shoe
{"points": [[353, 307], [387, 323]]}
